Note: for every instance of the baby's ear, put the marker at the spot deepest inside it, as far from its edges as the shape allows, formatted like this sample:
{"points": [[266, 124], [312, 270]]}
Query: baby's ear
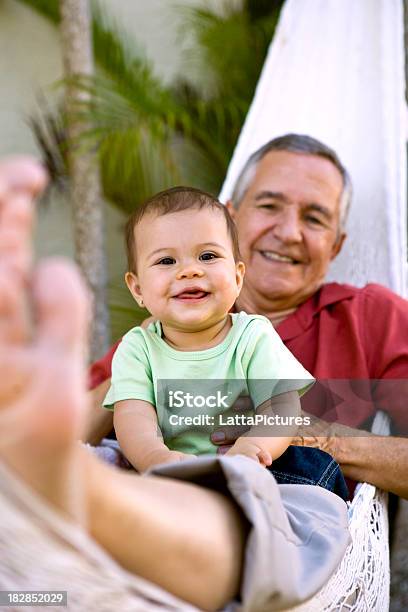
{"points": [[239, 274], [134, 287]]}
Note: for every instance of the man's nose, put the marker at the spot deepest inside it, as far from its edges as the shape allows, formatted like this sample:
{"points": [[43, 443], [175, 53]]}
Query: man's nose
{"points": [[190, 270], [287, 227]]}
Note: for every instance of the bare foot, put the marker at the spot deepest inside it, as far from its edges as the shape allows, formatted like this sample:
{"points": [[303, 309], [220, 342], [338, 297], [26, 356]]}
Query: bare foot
{"points": [[42, 334]]}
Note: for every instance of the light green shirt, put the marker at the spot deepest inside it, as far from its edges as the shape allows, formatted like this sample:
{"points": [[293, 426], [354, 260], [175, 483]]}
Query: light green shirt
{"points": [[251, 360]]}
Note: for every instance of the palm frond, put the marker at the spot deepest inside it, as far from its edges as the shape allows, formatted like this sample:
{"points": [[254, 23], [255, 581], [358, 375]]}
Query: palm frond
{"points": [[125, 63], [47, 8], [258, 9], [149, 135], [49, 130], [115, 52], [227, 49], [134, 166]]}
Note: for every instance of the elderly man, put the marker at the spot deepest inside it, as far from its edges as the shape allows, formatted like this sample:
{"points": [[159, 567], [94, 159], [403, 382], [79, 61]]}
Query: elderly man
{"points": [[290, 204]]}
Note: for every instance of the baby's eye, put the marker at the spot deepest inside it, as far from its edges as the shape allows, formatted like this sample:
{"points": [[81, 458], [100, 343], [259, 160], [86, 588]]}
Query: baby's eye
{"points": [[207, 256], [166, 261]]}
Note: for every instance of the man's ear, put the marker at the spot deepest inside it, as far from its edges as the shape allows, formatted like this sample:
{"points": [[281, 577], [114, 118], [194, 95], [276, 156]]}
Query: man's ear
{"points": [[239, 274], [230, 208], [338, 245], [132, 283]]}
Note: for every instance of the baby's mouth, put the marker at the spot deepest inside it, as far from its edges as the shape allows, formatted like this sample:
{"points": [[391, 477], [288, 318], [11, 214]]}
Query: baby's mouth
{"points": [[191, 294]]}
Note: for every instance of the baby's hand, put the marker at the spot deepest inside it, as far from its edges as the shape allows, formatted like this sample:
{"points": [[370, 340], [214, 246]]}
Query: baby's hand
{"points": [[244, 446], [177, 456], [166, 456]]}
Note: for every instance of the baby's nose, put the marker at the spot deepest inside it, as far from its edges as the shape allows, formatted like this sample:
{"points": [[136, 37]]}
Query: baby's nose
{"points": [[190, 271]]}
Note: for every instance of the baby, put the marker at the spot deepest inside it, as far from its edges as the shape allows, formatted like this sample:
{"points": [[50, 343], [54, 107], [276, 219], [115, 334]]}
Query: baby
{"points": [[184, 267]]}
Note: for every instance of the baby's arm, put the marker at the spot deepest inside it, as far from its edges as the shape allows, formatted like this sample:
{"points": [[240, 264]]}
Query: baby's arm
{"points": [[139, 435], [256, 443]]}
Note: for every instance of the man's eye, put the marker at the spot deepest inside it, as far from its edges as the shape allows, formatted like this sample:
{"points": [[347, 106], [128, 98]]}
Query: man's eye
{"points": [[166, 261], [207, 256], [314, 220], [269, 206]]}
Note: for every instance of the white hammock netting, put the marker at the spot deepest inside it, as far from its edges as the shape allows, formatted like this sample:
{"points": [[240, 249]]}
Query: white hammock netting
{"points": [[362, 581]]}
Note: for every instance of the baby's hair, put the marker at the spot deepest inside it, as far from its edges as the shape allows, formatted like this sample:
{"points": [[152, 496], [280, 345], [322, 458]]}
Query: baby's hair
{"points": [[174, 200]]}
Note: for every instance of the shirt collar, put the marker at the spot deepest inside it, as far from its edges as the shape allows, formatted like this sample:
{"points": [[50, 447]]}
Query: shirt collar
{"points": [[302, 318]]}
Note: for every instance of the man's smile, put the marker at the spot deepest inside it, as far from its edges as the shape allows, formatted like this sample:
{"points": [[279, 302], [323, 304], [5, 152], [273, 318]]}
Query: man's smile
{"points": [[274, 256]]}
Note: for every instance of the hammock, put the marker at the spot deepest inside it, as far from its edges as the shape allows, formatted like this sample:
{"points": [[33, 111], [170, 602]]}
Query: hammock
{"points": [[335, 70]]}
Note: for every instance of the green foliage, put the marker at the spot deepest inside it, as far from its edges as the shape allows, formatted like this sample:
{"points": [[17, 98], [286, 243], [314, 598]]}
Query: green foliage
{"points": [[133, 139], [47, 8], [227, 49], [231, 47], [124, 312], [150, 136]]}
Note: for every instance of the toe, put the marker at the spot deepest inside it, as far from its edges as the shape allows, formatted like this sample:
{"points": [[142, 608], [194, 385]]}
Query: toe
{"points": [[21, 175], [61, 307], [15, 264]]}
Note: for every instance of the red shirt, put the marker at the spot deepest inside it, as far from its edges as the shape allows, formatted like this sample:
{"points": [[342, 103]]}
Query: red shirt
{"points": [[355, 342]]}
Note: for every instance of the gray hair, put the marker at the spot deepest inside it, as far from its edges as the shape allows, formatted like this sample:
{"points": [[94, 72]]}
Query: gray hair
{"points": [[295, 143]]}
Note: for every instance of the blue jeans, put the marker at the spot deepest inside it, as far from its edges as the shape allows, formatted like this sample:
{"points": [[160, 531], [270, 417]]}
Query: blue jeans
{"points": [[306, 465]]}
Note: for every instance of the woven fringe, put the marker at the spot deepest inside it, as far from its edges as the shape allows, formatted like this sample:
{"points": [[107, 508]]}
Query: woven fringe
{"points": [[362, 581]]}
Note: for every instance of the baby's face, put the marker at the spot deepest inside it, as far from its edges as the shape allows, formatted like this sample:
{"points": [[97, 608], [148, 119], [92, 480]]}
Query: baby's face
{"points": [[186, 273]]}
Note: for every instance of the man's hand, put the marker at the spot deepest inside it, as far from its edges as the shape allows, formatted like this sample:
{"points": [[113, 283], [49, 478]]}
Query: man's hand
{"points": [[362, 456], [224, 437], [326, 436], [244, 446]]}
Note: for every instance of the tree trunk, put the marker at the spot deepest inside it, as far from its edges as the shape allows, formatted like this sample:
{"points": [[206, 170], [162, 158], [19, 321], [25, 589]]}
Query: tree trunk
{"points": [[84, 173]]}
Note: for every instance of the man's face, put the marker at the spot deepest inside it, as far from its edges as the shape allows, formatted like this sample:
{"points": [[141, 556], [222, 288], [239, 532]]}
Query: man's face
{"points": [[288, 226]]}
